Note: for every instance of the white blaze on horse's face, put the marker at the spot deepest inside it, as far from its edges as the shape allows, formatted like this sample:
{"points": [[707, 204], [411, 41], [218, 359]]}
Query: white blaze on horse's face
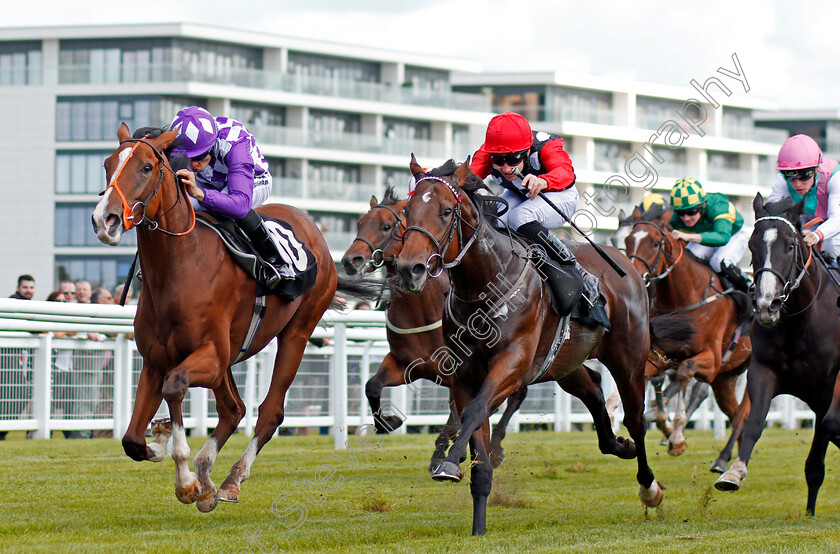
{"points": [[638, 237], [109, 226], [767, 285]]}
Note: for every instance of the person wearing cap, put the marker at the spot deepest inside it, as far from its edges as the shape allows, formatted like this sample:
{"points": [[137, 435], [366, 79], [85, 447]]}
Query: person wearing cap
{"points": [[526, 163], [227, 177], [805, 173], [712, 227]]}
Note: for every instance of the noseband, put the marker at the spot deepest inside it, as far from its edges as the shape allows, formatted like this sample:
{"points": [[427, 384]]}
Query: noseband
{"points": [[449, 234], [790, 283], [129, 211], [377, 254], [648, 277]]}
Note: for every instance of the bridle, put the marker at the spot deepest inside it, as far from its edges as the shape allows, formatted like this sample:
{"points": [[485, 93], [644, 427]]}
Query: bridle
{"points": [[449, 234], [129, 218], [790, 283], [377, 253], [648, 277]]}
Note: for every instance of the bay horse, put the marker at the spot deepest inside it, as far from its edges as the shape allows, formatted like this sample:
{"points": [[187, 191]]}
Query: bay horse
{"points": [[715, 353], [499, 326], [796, 335], [413, 325], [195, 311]]}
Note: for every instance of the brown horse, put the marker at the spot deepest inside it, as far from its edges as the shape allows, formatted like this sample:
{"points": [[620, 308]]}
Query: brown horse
{"points": [[414, 325], [499, 327], [194, 313], [680, 283], [796, 334]]}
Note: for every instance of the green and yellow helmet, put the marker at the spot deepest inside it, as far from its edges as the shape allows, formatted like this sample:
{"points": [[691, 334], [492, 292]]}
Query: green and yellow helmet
{"points": [[651, 199], [687, 193]]}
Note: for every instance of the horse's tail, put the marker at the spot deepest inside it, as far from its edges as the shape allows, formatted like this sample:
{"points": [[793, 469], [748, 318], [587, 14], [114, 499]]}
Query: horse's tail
{"points": [[671, 331], [363, 289]]}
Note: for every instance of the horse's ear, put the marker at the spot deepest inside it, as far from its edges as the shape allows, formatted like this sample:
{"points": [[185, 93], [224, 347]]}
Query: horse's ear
{"points": [[622, 215], [163, 141], [758, 205], [796, 210], [665, 218], [636, 215], [415, 167], [373, 201], [463, 171], [123, 133]]}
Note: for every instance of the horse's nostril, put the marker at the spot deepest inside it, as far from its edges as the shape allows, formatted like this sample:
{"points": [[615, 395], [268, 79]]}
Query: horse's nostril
{"points": [[418, 269], [775, 305]]}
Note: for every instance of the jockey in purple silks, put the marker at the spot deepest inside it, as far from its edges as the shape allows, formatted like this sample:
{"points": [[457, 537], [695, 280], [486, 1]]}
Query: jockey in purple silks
{"points": [[228, 177]]}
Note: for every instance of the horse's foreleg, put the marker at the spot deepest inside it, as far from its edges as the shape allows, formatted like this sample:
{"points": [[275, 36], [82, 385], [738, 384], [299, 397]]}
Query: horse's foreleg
{"points": [[146, 402], [231, 410], [704, 364], [481, 477], [175, 388], [815, 465], [497, 453], [762, 386], [391, 373], [498, 385], [663, 422], [447, 435], [724, 390]]}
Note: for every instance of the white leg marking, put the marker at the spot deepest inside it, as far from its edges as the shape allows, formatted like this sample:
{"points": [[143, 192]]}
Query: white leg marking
{"points": [[207, 455], [181, 454], [247, 459]]}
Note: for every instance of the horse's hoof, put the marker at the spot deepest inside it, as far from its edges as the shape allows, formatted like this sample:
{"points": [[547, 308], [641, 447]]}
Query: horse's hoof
{"points": [[718, 466], [207, 501], [496, 458], [228, 495], [676, 449], [626, 449], [189, 494], [433, 464], [387, 424], [653, 495], [447, 471], [727, 484]]}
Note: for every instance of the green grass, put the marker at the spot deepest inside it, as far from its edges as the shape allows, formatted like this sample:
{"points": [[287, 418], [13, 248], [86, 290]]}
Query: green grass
{"points": [[554, 493]]}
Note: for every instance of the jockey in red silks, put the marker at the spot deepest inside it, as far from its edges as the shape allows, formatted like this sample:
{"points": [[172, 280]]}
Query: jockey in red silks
{"points": [[805, 173], [526, 163], [228, 177]]}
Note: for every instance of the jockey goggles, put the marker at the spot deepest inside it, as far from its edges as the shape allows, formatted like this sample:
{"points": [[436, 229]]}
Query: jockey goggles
{"points": [[799, 174], [690, 212], [199, 158], [511, 158]]}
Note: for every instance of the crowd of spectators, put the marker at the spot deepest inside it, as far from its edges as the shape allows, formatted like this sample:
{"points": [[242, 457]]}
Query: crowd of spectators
{"points": [[82, 378]]}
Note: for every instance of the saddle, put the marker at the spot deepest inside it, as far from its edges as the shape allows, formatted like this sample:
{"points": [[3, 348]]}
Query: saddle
{"points": [[294, 253]]}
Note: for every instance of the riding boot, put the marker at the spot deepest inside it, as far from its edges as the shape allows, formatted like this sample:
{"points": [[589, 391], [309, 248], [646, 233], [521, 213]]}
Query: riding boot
{"points": [[733, 275], [558, 252], [254, 228]]}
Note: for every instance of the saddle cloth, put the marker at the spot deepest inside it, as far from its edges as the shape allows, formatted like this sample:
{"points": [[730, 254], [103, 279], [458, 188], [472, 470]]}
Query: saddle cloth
{"points": [[292, 250]]}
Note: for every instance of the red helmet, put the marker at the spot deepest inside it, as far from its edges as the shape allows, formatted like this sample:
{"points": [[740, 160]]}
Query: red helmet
{"points": [[799, 152], [507, 133]]}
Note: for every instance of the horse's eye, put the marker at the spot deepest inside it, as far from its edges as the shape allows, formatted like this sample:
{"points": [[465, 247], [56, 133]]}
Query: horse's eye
{"points": [[147, 168], [447, 212], [386, 226], [790, 247], [656, 244]]}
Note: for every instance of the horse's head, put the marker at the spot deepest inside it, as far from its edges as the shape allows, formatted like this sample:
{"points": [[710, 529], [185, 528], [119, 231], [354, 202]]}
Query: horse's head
{"points": [[433, 218], [625, 223], [134, 173], [376, 235], [651, 248], [779, 256]]}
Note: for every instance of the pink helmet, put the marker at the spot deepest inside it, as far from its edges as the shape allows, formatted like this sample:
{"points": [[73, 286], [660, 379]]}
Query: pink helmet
{"points": [[799, 152], [197, 131]]}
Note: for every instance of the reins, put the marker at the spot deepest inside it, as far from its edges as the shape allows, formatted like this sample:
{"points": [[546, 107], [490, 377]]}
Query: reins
{"points": [[129, 211], [648, 278]]}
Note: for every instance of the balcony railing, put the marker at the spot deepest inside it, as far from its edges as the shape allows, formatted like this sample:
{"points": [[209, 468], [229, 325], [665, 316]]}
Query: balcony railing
{"points": [[730, 175], [270, 80], [583, 114]]}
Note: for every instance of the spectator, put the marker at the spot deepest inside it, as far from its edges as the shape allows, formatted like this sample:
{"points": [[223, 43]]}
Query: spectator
{"points": [[118, 292], [67, 288], [83, 292], [101, 296], [362, 305], [25, 288], [15, 378], [62, 365]]}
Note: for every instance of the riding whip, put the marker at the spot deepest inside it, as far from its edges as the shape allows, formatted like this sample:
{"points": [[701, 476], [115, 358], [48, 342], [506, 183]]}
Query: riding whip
{"points": [[596, 246]]}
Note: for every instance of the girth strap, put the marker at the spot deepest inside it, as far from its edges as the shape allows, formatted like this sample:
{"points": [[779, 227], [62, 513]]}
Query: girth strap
{"points": [[256, 319]]}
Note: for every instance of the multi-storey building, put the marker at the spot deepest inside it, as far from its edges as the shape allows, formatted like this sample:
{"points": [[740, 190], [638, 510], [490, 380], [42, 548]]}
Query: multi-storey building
{"points": [[821, 125], [610, 127], [335, 122]]}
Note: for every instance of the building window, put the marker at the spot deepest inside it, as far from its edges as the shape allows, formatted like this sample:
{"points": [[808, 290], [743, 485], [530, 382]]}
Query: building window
{"points": [[80, 118], [327, 67], [72, 226], [405, 129], [587, 106], [99, 271], [422, 78], [738, 124], [80, 172], [724, 166], [651, 113], [610, 156], [258, 115], [20, 63]]}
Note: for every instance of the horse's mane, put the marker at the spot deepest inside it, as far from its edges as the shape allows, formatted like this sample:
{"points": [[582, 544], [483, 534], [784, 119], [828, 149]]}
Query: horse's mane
{"points": [[472, 185], [176, 162], [391, 196], [779, 206], [655, 212]]}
